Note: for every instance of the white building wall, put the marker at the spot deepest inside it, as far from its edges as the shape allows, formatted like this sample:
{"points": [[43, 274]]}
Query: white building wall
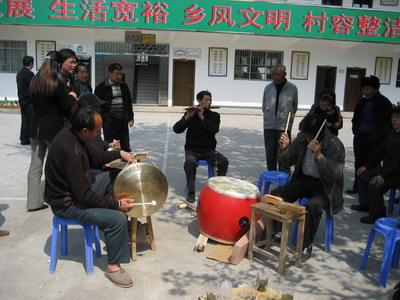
{"points": [[226, 90]]}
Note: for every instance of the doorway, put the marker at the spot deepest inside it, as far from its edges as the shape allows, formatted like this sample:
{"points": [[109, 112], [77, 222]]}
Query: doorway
{"points": [[326, 79], [183, 83], [352, 89]]}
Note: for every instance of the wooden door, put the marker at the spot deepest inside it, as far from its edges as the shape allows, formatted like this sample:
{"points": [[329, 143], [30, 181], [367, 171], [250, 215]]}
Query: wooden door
{"points": [[183, 83], [352, 90], [326, 79]]}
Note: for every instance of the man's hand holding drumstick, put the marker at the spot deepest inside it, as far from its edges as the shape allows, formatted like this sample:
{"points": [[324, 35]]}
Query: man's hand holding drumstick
{"points": [[125, 202], [284, 140]]}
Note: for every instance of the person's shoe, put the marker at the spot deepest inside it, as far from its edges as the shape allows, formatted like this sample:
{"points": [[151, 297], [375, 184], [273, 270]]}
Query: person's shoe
{"points": [[190, 198], [44, 206], [307, 251], [359, 207], [351, 191], [368, 219], [120, 278], [24, 143], [4, 232]]}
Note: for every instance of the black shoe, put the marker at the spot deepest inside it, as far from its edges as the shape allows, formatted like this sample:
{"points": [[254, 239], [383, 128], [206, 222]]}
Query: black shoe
{"points": [[190, 197], [351, 191], [359, 207], [24, 143], [44, 206], [368, 219]]}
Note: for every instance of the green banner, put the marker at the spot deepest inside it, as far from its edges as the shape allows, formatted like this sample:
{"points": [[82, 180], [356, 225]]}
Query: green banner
{"points": [[245, 17]]}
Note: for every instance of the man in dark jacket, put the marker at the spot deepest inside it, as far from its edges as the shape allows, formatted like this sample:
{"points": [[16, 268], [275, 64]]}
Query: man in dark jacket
{"points": [[24, 78], [318, 173], [375, 180], [202, 124], [117, 112], [69, 192], [371, 125]]}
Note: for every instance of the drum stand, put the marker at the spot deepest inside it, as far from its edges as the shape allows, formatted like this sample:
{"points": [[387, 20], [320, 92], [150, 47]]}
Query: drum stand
{"points": [[149, 231]]}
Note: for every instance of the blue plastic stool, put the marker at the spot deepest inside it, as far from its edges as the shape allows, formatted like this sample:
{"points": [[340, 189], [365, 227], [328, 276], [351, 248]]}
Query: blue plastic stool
{"points": [[89, 230], [268, 177], [329, 224], [392, 197], [211, 171], [388, 228]]}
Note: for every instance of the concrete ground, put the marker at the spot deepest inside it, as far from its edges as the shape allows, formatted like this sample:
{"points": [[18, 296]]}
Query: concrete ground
{"points": [[174, 271]]}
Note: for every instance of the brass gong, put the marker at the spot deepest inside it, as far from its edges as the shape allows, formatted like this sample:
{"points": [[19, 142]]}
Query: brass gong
{"points": [[145, 184]]}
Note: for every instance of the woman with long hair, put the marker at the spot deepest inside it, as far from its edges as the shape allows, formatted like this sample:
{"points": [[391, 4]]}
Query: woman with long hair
{"points": [[52, 104]]}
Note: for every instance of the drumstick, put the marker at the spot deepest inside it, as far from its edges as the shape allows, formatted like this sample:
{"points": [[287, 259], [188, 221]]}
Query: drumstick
{"points": [[153, 203], [287, 123], [320, 129]]}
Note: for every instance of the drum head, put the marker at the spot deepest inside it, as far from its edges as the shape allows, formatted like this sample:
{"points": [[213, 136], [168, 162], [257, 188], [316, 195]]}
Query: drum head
{"points": [[144, 183], [233, 187]]}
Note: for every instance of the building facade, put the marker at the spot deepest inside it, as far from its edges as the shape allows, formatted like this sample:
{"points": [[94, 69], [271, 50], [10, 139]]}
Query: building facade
{"points": [[171, 50]]}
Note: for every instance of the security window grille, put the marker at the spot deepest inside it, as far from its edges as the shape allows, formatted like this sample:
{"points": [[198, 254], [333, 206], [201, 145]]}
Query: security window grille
{"points": [[332, 2], [11, 55], [256, 65], [362, 3]]}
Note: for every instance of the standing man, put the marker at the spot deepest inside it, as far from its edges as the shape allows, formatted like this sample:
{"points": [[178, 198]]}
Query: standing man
{"points": [[117, 112], [280, 98], [202, 125], [71, 195], [371, 126], [24, 78]]}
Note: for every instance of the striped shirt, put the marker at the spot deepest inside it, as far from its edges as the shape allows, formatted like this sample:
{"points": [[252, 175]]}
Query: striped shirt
{"points": [[117, 105]]}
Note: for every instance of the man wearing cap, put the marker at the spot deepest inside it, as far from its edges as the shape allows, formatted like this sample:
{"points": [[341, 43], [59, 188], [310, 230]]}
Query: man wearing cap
{"points": [[374, 179], [371, 127], [318, 173]]}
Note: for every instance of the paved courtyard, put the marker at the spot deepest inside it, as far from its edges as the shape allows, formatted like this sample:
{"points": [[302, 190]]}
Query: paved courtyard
{"points": [[174, 271]]}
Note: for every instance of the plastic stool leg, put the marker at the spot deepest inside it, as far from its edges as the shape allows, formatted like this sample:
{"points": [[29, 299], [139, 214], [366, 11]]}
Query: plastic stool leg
{"points": [[88, 248], [64, 239], [294, 235], [392, 196], [260, 182], [211, 171], [53, 248], [387, 259], [396, 255], [328, 232], [266, 187], [367, 249], [97, 240]]}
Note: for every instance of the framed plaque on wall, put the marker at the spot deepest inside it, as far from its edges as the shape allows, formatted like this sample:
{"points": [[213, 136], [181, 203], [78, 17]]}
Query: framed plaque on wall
{"points": [[218, 62], [383, 69], [300, 64], [42, 48]]}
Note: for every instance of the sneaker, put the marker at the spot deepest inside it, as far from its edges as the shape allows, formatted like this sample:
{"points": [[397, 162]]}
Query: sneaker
{"points": [[351, 191], [190, 197], [359, 207], [120, 278]]}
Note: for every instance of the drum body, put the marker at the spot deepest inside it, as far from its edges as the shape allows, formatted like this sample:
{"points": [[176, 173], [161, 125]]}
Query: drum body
{"points": [[224, 209]]}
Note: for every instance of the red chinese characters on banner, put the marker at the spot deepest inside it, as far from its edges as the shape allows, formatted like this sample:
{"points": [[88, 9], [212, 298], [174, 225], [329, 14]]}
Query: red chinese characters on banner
{"points": [[124, 11], [251, 15], [311, 20], [194, 14], [63, 10], [368, 26], [278, 17], [19, 8], [222, 14], [342, 24], [96, 9], [392, 27], [157, 11]]}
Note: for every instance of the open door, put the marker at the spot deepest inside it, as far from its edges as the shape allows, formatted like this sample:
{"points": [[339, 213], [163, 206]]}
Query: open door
{"points": [[183, 83], [326, 79], [352, 90]]}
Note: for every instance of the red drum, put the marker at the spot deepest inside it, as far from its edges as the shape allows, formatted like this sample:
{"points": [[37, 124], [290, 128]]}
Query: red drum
{"points": [[224, 210]]}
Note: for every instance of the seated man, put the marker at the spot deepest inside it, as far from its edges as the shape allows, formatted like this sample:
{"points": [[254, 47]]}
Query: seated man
{"points": [[375, 180], [70, 195], [202, 124], [318, 173]]}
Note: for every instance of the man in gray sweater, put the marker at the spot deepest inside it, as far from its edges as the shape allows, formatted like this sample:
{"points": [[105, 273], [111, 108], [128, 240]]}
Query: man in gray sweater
{"points": [[280, 98]]}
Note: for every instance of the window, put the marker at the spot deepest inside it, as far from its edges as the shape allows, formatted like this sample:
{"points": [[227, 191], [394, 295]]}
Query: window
{"points": [[256, 65], [362, 3], [398, 75], [11, 55], [332, 2]]}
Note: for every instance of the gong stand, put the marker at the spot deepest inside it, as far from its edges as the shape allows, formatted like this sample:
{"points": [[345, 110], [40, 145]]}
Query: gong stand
{"points": [[150, 238]]}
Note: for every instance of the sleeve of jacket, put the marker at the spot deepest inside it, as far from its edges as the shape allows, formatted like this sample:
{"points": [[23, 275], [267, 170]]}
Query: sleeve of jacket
{"points": [[79, 184], [264, 100], [99, 158], [289, 156], [128, 99], [181, 125], [295, 99], [65, 101], [211, 122], [340, 118], [330, 166]]}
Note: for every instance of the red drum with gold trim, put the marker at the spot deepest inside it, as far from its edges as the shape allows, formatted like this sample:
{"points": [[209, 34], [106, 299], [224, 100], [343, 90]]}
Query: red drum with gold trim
{"points": [[224, 210]]}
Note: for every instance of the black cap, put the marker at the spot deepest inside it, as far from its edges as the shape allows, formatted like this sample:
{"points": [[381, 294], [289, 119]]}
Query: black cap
{"points": [[396, 109], [372, 81], [90, 100]]}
